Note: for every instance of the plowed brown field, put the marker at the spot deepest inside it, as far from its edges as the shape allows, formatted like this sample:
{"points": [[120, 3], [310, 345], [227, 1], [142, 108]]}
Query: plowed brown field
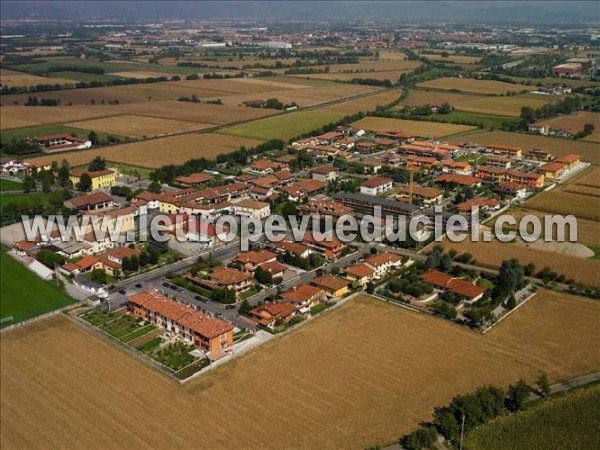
{"points": [[364, 373]]}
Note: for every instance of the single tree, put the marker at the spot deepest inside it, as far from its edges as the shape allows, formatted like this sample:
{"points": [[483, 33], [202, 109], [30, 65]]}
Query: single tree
{"points": [[85, 183], [542, 384]]}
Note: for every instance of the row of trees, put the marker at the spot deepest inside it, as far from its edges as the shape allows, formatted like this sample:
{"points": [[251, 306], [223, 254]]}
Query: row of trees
{"points": [[567, 105], [468, 411]]}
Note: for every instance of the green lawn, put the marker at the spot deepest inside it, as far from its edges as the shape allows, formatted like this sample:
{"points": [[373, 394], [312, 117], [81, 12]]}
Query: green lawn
{"points": [[283, 127], [568, 421], [24, 294], [9, 185]]}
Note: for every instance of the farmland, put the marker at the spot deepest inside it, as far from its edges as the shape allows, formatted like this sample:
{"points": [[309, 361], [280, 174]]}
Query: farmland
{"points": [[420, 97], [581, 197], [12, 78], [38, 298], [488, 87], [587, 150], [157, 152], [352, 396], [575, 123], [502, 106], [491, 254], [139, 126], [285, 126], [414, 127], [566, 421]]}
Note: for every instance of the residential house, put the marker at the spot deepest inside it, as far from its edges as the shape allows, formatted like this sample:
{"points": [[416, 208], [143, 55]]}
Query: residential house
{"points": [[303, 189], [553, 170], [383, 262], [444, 282], [271, 314], [252, 259], [499, 162], [570, 160], [101, 179], [208, 333], [324, 208], [194, 179], [330, 247], [462, 180], [293, 248], [540, 155], [510, 151], [516, 190], [484, 204], [424, 195], [326, 174], [360, 273], [263, 167], [203, 232], [95, 201], [458, 167], [376, 186], [303, 297], [420, 162], [253, 208], [365, 204], [332, 286]]}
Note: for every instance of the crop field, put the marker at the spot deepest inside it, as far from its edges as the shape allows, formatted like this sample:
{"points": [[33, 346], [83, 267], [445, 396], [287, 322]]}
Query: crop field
{"points": [[572, 198], [421, 97], [23, 303], [392, 75], [156, 152], [141, 74], [470, 85], [12, 78], [21, 116], [575, 123], [491, 254], [588, 150], [502, 106], [139, 126], [285, 126], [453, 59], [318, 93], [566, 421], [373, 381], [414, 127], [549, 81], [363, 104], [588, 231]]}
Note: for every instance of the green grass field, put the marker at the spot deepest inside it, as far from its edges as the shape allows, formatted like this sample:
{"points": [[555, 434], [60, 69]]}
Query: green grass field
{"points": [[568, 421], [24, 294], [34, 198], [9, 185], [283, 127]]}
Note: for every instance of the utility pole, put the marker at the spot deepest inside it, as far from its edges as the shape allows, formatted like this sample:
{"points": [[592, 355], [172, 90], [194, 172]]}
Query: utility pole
{"points": [[462, 430]]}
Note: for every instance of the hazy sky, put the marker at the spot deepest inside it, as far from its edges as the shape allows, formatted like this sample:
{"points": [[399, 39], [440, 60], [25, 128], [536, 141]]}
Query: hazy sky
{"points": [[482, 11]]}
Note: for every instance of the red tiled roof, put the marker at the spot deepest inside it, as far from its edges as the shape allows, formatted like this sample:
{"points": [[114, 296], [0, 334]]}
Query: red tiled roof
{"points": [[465, 180], [194, 178], [383, 258], [91, 199], [205, 325], [330, 282], [360, 270], [376, 182], [225, 276], [568, 159], [98, 173], [255, 257], [301, 293], [273, 267]]}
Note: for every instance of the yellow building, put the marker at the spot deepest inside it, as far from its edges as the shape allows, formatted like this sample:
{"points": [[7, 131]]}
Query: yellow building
{"points": [[100, 178]]}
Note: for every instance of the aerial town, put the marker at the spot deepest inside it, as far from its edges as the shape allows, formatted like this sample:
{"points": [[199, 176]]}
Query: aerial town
{"points": [[160, 140]]}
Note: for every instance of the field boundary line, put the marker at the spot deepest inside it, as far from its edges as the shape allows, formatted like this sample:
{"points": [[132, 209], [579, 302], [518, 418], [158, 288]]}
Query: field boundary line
{"points": [[508, 313], [32, 320]]}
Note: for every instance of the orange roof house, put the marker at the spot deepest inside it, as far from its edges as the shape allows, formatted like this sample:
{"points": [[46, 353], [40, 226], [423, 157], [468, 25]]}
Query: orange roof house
{"points": [[460, 287], [303, 296], [269, 314], [334, 286]]}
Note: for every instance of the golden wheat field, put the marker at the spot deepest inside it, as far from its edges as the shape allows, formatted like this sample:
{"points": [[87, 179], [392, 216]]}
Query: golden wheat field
{"points": [[574, 123], [470, 85], [392, 75], [156, 152], [589, 151], [361, 374], [453, 59], [414, 127], [139, 126]]}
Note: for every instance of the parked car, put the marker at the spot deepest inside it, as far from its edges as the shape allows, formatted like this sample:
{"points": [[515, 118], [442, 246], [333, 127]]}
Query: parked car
{"points": [[229, 306], [122, 291], [166, 285], [138, 285]]}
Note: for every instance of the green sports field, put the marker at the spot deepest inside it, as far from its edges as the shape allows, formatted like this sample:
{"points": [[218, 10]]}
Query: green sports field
{"points": [[24, 294]]}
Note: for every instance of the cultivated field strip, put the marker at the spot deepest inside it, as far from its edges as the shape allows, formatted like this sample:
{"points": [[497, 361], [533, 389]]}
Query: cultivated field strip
{"points": [[364, 373]]}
